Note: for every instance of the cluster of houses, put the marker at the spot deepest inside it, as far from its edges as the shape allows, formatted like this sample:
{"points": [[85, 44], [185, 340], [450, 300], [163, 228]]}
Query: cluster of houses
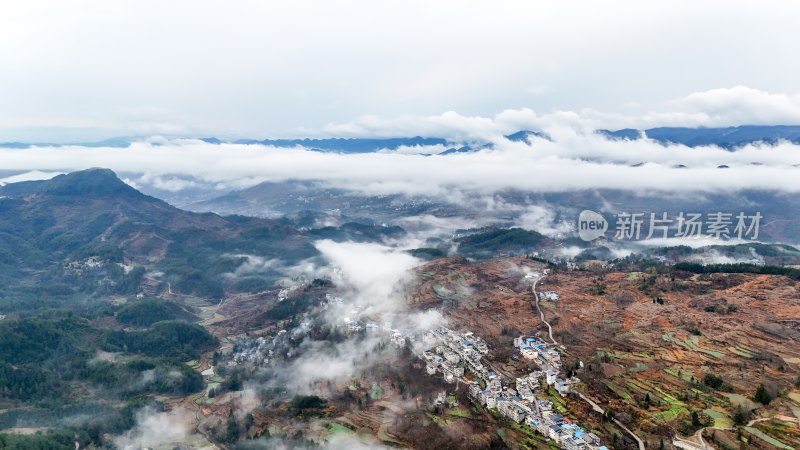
{"points": [[548, 295], [256, 352], [354, 322], [261, 351], [452, 354], [565, 433], [546, 357]]}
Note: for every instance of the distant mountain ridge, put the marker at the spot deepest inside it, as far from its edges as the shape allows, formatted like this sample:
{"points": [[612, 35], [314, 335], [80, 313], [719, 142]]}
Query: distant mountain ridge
{"points": [[344, 145], [728, 137], [725, 137]]}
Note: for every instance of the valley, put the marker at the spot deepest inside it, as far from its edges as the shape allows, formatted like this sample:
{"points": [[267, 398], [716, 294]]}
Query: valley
{"points": [[240, 332]]}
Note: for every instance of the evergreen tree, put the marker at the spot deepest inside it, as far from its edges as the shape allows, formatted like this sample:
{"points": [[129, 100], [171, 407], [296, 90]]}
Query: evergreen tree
{"points": [[762, 396]]}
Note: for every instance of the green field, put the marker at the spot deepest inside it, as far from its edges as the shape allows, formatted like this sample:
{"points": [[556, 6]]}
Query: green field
{"points": [[337, 428], [720, 419], [771, 440], [459, 412]]}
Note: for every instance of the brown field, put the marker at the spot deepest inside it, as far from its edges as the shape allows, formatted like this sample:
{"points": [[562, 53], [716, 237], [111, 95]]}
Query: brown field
{"points": [[644, 359]]}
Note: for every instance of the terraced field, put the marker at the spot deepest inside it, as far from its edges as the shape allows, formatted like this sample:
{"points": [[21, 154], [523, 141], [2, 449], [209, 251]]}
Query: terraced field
{"points": [[646, 359]]}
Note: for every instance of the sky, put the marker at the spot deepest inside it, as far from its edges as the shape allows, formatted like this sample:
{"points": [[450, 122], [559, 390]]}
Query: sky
{"points": [[87, 70]]}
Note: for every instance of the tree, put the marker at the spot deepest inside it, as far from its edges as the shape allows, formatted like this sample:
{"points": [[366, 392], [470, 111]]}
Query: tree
{"points": [[713, 381], [762, 396], [232, 432], [741, 416], [248, 421], [696, 420]]}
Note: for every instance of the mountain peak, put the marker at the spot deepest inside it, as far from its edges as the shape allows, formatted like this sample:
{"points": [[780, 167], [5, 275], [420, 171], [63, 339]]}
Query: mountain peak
{"points": [[95, 182], [526, 135]]}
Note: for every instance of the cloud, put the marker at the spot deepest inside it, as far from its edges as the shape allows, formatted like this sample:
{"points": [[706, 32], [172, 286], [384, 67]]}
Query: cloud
{"points": [[417, 149], [729, 107], [155, 429], [253, 264], [324, 361], [372, 272], [575, 159], [543, 220], [720, 107], [339, 441], [370, 278], [33, 175], [451, 125], [715, 257]]}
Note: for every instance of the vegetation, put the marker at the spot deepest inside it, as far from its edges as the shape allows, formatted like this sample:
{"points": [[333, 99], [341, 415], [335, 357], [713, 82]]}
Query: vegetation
{"points": [[291, 307], [43, 356], [307, 402], [170, 338], [716, 382], [739, 268], [427, 253], [762, 395], [142, 375], [357, 232], [489, 242], [144, 313], [49, 359]]}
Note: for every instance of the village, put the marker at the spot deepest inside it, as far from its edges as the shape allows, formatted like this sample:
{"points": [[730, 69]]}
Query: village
{"points": [[461, 357], [453, 354]]}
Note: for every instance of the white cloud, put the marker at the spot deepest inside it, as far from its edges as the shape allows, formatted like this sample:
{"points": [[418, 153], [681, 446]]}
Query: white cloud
{"points": [[573, 160], [156, 429], [451, 125], [543, 220], [33, 175], [253, 264], [372, 272], [739, 105], [371, 279]]}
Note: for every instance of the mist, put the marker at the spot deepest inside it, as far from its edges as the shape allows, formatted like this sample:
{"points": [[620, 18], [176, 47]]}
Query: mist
{"points": [[154, 429], [574, 159]]}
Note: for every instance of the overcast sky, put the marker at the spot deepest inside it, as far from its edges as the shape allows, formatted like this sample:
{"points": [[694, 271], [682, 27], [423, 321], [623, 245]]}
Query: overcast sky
{"points": [[92, 69]]}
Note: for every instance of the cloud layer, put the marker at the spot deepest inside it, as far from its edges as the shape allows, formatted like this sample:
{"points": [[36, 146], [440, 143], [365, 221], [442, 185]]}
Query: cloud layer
{"points": [[575, 159]]}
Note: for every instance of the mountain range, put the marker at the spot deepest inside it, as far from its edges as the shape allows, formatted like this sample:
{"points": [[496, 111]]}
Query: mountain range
{"points": [[725, 137], [89, 232]]}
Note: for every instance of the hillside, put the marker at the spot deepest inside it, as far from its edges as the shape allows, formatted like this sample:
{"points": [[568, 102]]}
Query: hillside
{"points": [[670, 353], [90, 233], [779, 209]]}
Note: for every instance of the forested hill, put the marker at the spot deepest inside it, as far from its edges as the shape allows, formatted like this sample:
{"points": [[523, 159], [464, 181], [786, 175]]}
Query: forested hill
{"points": [[89, 232]]}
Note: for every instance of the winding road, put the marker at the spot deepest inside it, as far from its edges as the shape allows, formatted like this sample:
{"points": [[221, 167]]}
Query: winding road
{"points": [[594, 405], [541, 313]]}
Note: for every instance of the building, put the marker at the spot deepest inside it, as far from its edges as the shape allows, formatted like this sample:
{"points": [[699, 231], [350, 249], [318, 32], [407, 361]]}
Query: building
{"points": [[430, 368], [548, 295], [591, 439], [551, 375], [554, 433], [562, 387], [451, 357], [475, 390]]}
